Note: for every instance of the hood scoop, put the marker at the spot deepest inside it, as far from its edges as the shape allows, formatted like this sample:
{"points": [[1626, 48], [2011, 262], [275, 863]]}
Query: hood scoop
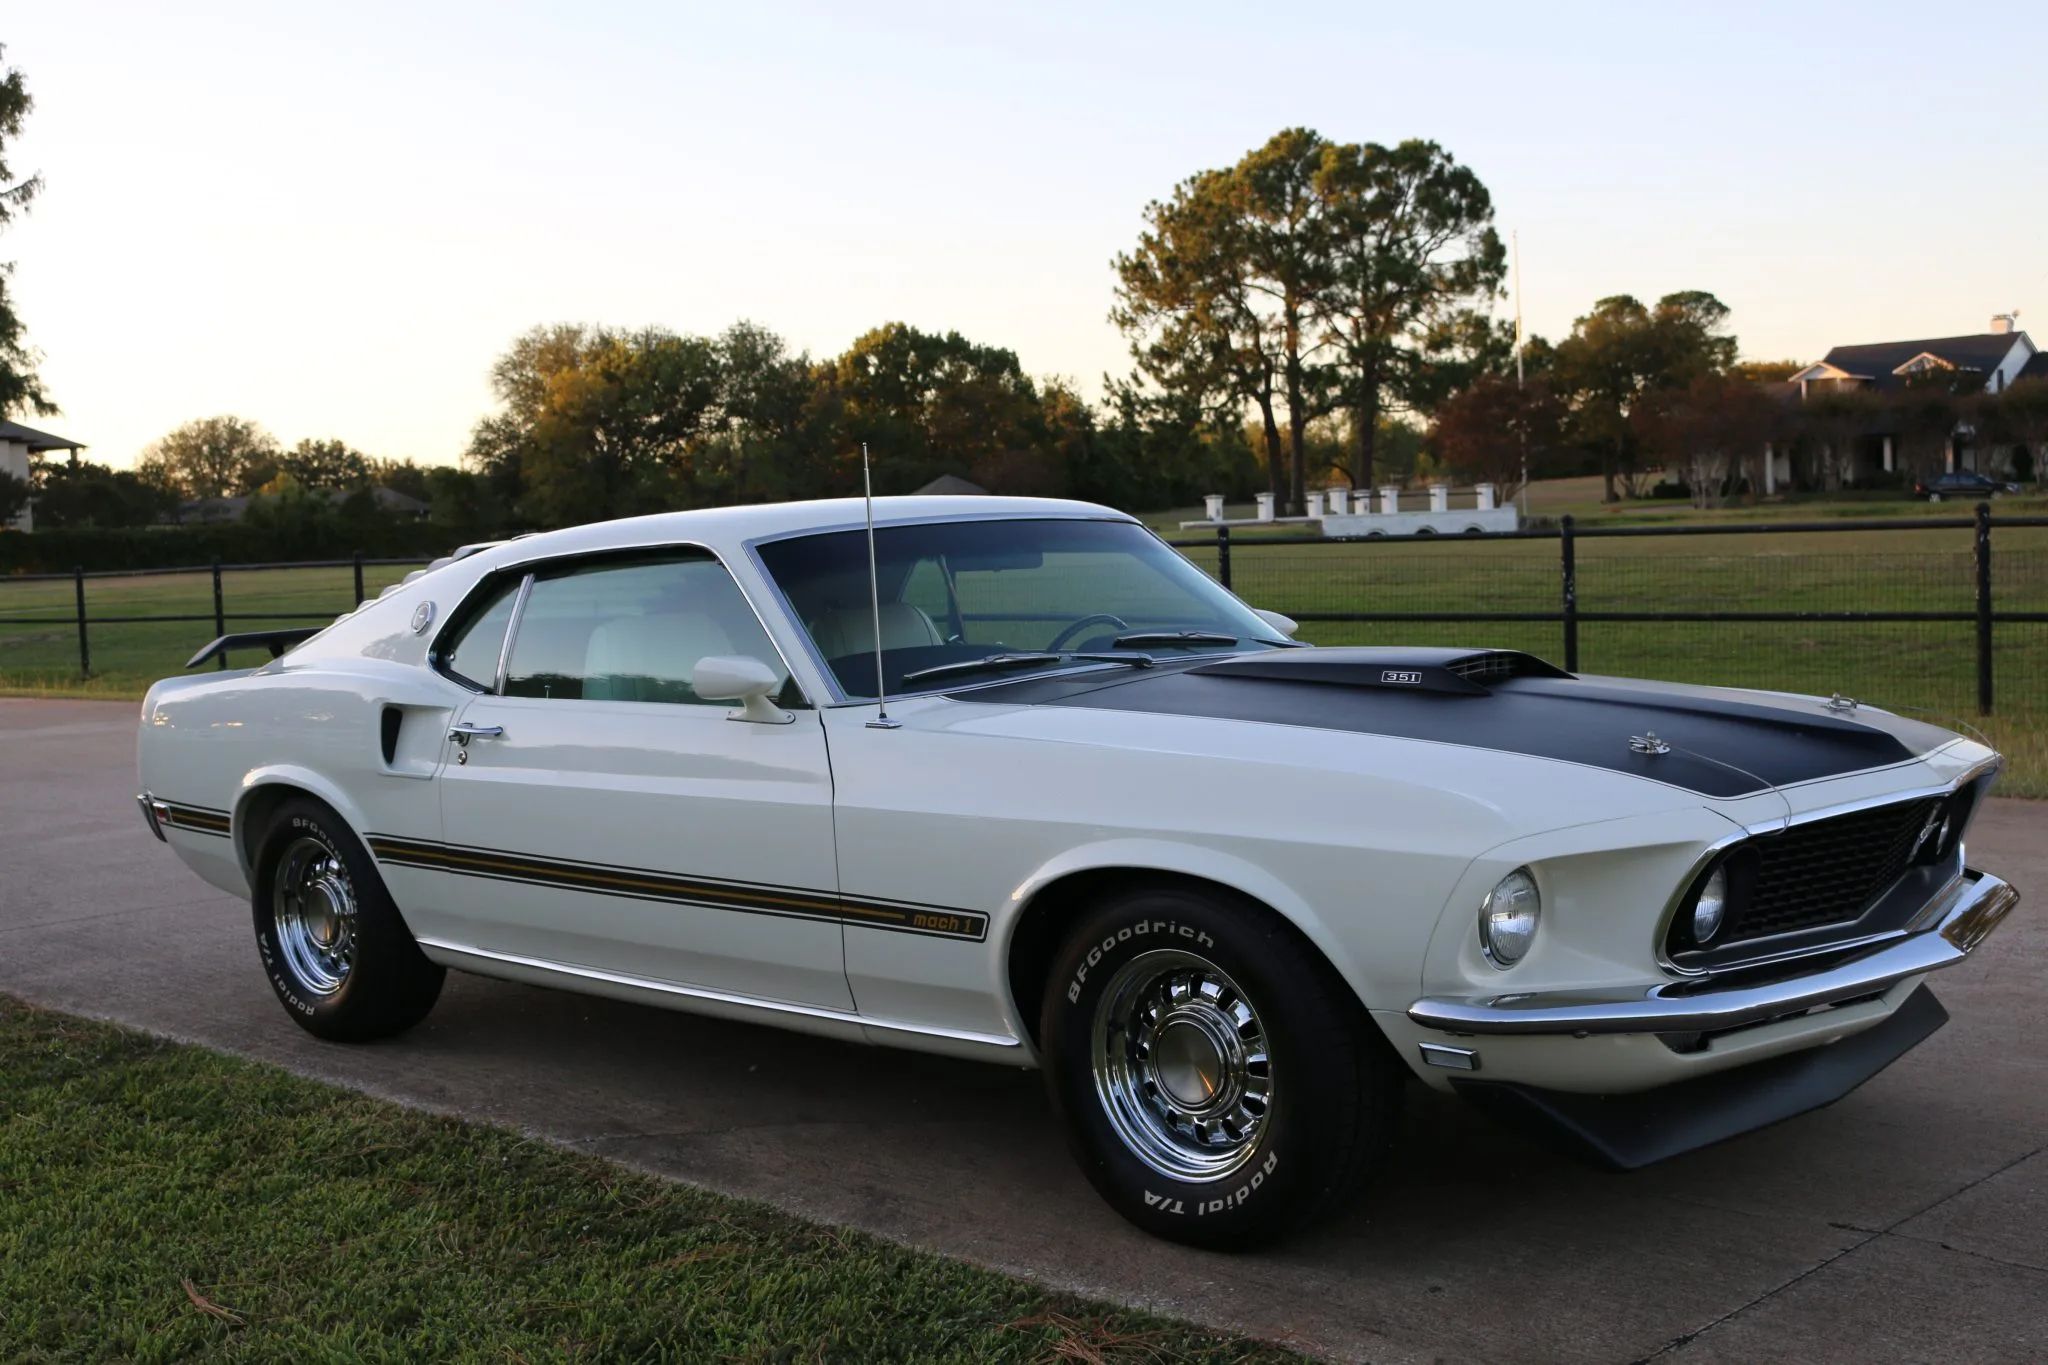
{"points": [[1448, 672]]}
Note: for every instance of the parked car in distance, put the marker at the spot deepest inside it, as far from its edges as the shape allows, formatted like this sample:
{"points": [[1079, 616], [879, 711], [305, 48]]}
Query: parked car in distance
{"points": [[1961, 483], [1231, 893]]}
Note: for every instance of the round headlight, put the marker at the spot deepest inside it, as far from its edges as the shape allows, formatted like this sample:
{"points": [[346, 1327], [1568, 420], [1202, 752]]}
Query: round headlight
{"points": [[1711, 908], [1508, 918]]}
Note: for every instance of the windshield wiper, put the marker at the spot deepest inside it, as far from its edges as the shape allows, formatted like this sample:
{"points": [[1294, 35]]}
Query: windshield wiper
{"points": [[1018, 659], [997, 661], [1173, 637]]}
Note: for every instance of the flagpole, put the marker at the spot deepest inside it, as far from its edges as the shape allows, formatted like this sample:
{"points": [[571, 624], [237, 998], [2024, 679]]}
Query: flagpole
{"points": [[1515, 237]]}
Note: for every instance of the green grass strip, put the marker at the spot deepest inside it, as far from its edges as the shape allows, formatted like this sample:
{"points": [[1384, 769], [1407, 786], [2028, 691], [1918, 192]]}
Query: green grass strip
{"points": [[163, 1202]]}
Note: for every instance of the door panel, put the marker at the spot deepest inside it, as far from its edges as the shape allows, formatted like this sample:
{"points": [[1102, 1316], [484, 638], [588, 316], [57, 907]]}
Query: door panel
{"points": [[660, 841], [601, 814]]}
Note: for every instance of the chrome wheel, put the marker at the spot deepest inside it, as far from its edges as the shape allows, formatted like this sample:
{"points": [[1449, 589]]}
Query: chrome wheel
{"points": [[314, 908], [1181, 1066]]}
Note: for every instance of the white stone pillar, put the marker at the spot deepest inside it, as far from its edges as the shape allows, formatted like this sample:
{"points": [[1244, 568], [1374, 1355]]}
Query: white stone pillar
{"points": [[1390, 500], [1361, 502], [1949, 454], [1265, 507], [1888, 461], [1488, 496], [1213, 505], [1439, 497], [1770, 469]]}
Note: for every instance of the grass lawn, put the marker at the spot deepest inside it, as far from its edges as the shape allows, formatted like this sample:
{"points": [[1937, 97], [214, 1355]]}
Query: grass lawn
{"points": [[161, 1202]]}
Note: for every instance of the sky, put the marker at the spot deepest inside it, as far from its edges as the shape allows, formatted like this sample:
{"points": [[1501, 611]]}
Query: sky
{"points": [[332, 218]]}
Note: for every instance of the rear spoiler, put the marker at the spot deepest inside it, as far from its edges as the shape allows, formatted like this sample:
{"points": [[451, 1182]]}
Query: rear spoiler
{"points": [[276, 641]]}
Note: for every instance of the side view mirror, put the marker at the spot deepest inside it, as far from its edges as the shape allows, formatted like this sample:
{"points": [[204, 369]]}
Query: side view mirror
{"points": [[737, 677], [1286, 625]]}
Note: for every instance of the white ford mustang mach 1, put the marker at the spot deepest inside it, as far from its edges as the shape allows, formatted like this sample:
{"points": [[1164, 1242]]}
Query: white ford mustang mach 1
{"points": [[1231, 893]]}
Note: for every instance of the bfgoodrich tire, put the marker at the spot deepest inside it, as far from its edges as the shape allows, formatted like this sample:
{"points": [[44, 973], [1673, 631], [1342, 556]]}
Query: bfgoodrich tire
{"points": [[333, 944], [1219, 1082]]}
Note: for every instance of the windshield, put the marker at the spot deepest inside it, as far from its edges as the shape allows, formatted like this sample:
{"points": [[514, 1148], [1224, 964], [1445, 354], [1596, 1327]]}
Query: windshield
{"points": [[1023, 596]]}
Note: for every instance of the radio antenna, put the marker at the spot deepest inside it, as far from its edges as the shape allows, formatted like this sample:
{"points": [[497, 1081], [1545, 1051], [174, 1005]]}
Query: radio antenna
{"points": [[867, 483]]}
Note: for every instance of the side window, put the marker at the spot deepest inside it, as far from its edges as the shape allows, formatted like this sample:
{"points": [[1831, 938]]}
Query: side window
{"points": [[631, 630], [472, 656]]}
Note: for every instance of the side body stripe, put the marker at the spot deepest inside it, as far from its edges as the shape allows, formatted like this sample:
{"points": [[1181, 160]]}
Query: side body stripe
{"points": [[198, 819], [644, 884]]}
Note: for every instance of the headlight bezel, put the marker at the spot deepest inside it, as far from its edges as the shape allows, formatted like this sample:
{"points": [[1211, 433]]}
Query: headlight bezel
{"points": [[1497, 942]]}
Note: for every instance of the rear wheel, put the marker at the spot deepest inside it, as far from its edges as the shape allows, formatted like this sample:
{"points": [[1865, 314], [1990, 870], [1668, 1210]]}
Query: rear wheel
{"points": [[333, 944], [1219, 1082]]}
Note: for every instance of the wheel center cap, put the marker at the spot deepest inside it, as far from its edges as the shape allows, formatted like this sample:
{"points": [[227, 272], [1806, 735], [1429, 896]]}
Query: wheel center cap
{"points": [[323, 915], [1188, 1065]]}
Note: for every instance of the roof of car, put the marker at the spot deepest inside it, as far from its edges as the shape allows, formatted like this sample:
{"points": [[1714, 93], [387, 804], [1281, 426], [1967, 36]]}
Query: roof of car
{"points": [[730, 527]]}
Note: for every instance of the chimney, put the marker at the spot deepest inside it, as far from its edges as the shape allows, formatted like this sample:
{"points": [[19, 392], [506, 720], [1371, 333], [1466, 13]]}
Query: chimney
{"points": [[2002, 324]]}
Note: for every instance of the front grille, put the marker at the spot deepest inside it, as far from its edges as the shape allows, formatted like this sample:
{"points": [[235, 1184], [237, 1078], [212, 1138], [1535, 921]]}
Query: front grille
{"points": [[1830, 871]]}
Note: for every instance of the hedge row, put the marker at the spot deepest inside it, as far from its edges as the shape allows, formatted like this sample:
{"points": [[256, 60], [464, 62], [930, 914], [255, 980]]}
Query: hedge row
{"points": [[157, 547]]}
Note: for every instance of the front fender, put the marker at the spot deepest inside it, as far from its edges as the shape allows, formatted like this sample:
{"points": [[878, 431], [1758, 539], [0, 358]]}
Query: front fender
{"points": [[1365, 968]]}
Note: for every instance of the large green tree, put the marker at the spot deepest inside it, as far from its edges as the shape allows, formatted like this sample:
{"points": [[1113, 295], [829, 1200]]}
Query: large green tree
{"points": [[73, 493], [1313, 277], [1199, 314], [21, 389], [1622, 350], [928, 404], [326, 464], [212, 457], [1414, 267], [596, 422]]}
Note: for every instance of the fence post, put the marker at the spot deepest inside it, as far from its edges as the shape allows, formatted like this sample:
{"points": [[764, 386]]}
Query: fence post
{"points": [[1569, 552], [1984, 608], [1223, 555], [84, 647], [357, 600], [220, 617]]}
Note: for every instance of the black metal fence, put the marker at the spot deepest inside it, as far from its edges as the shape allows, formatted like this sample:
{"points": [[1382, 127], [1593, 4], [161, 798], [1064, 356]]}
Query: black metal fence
{"points": [[29, 605], [1943, 620], [1945, 613]]}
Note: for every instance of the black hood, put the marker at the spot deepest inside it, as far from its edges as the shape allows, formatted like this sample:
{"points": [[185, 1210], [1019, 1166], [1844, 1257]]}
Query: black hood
{"points": [[1720, 745]]}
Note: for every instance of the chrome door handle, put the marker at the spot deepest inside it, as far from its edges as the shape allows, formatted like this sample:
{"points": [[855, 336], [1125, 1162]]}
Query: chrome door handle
{"points": [[463, 732]]}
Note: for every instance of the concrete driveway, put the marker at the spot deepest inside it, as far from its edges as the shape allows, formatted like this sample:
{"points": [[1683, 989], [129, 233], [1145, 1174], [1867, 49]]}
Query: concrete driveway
{"points": [[1910, 1221]]}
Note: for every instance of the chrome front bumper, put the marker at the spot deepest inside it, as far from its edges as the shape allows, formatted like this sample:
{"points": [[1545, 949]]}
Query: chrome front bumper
{"points": [[1951, 927]]}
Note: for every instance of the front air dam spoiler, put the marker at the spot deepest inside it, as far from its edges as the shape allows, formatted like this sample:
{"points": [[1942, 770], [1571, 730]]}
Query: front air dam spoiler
{"points": [[1626, 1132]]}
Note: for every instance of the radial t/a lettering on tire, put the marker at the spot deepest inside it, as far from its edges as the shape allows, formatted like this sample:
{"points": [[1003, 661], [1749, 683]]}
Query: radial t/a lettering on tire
{"points": [[333, 944], [1219, 1082]]}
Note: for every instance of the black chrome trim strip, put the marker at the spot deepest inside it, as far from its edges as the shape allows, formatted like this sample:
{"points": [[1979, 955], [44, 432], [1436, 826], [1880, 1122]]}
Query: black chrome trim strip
{"points": [[635, 883]]}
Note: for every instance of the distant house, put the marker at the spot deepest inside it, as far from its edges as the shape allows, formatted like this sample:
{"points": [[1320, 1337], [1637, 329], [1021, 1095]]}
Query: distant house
{"points": [[955, 486], [1987, 362], [17, 443]]}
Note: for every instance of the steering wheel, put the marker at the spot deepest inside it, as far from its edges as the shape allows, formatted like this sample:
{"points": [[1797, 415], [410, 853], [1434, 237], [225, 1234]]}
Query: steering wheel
{"points": [[1060, 640]]}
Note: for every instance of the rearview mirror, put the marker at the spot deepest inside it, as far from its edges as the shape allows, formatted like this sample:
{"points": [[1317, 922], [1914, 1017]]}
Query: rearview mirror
{"points": [[1286, 625], [737, 677]]}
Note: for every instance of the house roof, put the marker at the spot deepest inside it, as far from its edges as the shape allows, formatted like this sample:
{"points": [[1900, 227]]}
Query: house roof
{"points": [[36, 440], [952, 485], [1876, 361], [2035, 368]]}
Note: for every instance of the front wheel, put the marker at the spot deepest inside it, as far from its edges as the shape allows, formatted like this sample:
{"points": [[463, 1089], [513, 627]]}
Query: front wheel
{"points": [[1219, 1082], [336, 950]]}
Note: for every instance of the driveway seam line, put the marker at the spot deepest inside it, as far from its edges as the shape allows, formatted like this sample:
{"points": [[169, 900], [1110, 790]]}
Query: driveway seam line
{"points": [[1886, 1231]]}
